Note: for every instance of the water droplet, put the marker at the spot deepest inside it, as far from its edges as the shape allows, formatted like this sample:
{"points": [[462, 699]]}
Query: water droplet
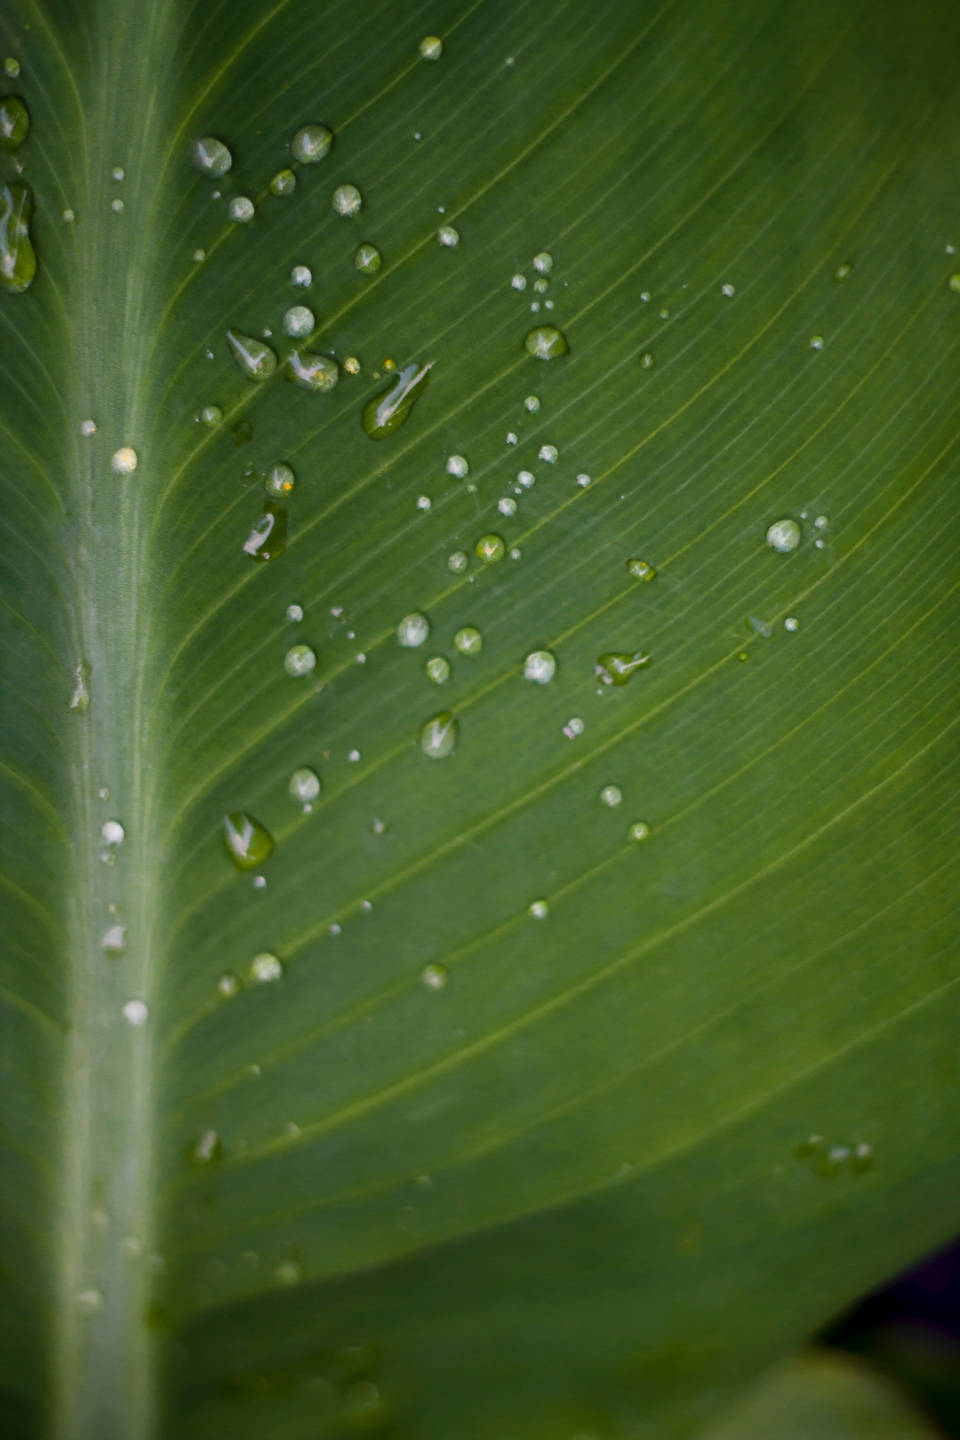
{"points": [[207, 1149], [507, 505], [541, 285], [548, 453], [639, 830], [448, 235], [843, 271], [546, 342], [268, 537], [431, 47], [211, 415], [387, 411], [438, 669], [280, 480], [519, 282], [124, 461], [539, 909], [116, 206], [540, 666], [647, 361], [346, 200], [88, 427], [784, 535], [89, 1301], [616, 667], [468, 640], [641, 569], [816, 342], [526, 479], [300, 660], [311, 143], [241, 209], [791, 623], [199, 255], [758, 627], [573, 728], [304, 785], [301, 275], [728, 290], [80, 699], [318, 373], [862, 1158], [543, 262], [69, 215], [434, 977], [458, 465], [532, 404], [299, 321], [413, 630], [229, 985], [284, 182], [611, 795], [247, 842], [256, 360], [490, 549], [137, 1012], [368, 258], [18, 259], [457, 562], [114, 939], [438, 738], [14, 122], [265, 968], [211, 156], [11, 67], [294, 613]]}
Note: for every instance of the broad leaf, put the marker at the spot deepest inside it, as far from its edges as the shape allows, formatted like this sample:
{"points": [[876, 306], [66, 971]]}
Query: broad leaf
{"points": [[608, 1055]]}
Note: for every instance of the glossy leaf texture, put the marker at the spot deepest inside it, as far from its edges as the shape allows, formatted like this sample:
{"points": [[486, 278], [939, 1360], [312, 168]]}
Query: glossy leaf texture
{"points": [[579, 1031]]}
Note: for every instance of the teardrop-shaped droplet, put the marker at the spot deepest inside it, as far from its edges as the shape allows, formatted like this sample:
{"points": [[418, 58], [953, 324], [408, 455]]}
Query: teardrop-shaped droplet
{"points": [[14, 122], [268, 537], [438, 738], [256, 360], [246, 841], [546, 342], [314, 372], [615, 668], [388, 411], [18, 259], [211, 156]]}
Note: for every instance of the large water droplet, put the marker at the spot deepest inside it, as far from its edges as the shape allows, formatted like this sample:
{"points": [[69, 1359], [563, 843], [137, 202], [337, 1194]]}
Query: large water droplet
{"points": [[300, 660], [784, 535], [256, 360], [313, 372], [368, 258], [386, 412], [413, 630], [438, 738], [18, 259], [616, 667], [540, 666], [124, 461], [14, 122], [546, 342], [241, 209], [268, 537], [211, 156], [311, 143], [458, 465], [247, 842]]}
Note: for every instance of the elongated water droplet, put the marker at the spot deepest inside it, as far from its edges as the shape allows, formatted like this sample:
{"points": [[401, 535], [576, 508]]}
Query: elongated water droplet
{"points": [[438, 670], [347, 200], [468, 640], [368, 258], [18, 259], [211, 156], [616, 667], [14, 122], [80, 699], [641, 569], [784, 535], [311, 143], [268, 537], [313, 372], [843, 271], [280, 481], [246, 841], [256, 360], [300, 660], [438, 738], [304, 785], [540, 666], [413, 630], [386, 412], [265, 968], [546, 342], [284, 182], [207, 1149], [490, 549]]}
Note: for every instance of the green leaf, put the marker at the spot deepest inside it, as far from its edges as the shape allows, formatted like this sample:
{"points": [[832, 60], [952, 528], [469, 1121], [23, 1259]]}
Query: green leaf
{"points": [[491, 1109]]}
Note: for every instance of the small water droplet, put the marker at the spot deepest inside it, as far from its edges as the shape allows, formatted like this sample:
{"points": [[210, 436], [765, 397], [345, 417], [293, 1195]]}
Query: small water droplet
{"points": [[265, 968], [124, 461], [268, 537], [413, 630], [728, 290], [791, 623], [137, 1012], [114, 939], [548, 453], [448, 235], [458, 465], [88, 427], [431, 47], [199, 255], [280, 480], [546, 342], [241, 209], [18, 259], [256, 360], [304, 785], [424, 502], [207, 1149], [14, 122], [468, 640], [862, 1158], [434, 977], [539, 909], [301, 275], [228, 985], [352, 365], [540, 666], [112, 832], [639, 830], [843, 271], [616, 667], [507, 505], [284, 182], [543, 262], [346, 200], [299, 320], [532, 403], [641, 569], [526, 479], [647, 361], [11, 67], [211, 156], [519, 282], [387, 411], [784, 535], [437, 669], [311, 143], [300, 660], [438, 737], [611, 795], [573, 728], [211, 415], [117, 206], [80, 699], [69, 215], [457, 562], [246, 841], [294, 613], [816, 342], [490, 549], [541, 285]]}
